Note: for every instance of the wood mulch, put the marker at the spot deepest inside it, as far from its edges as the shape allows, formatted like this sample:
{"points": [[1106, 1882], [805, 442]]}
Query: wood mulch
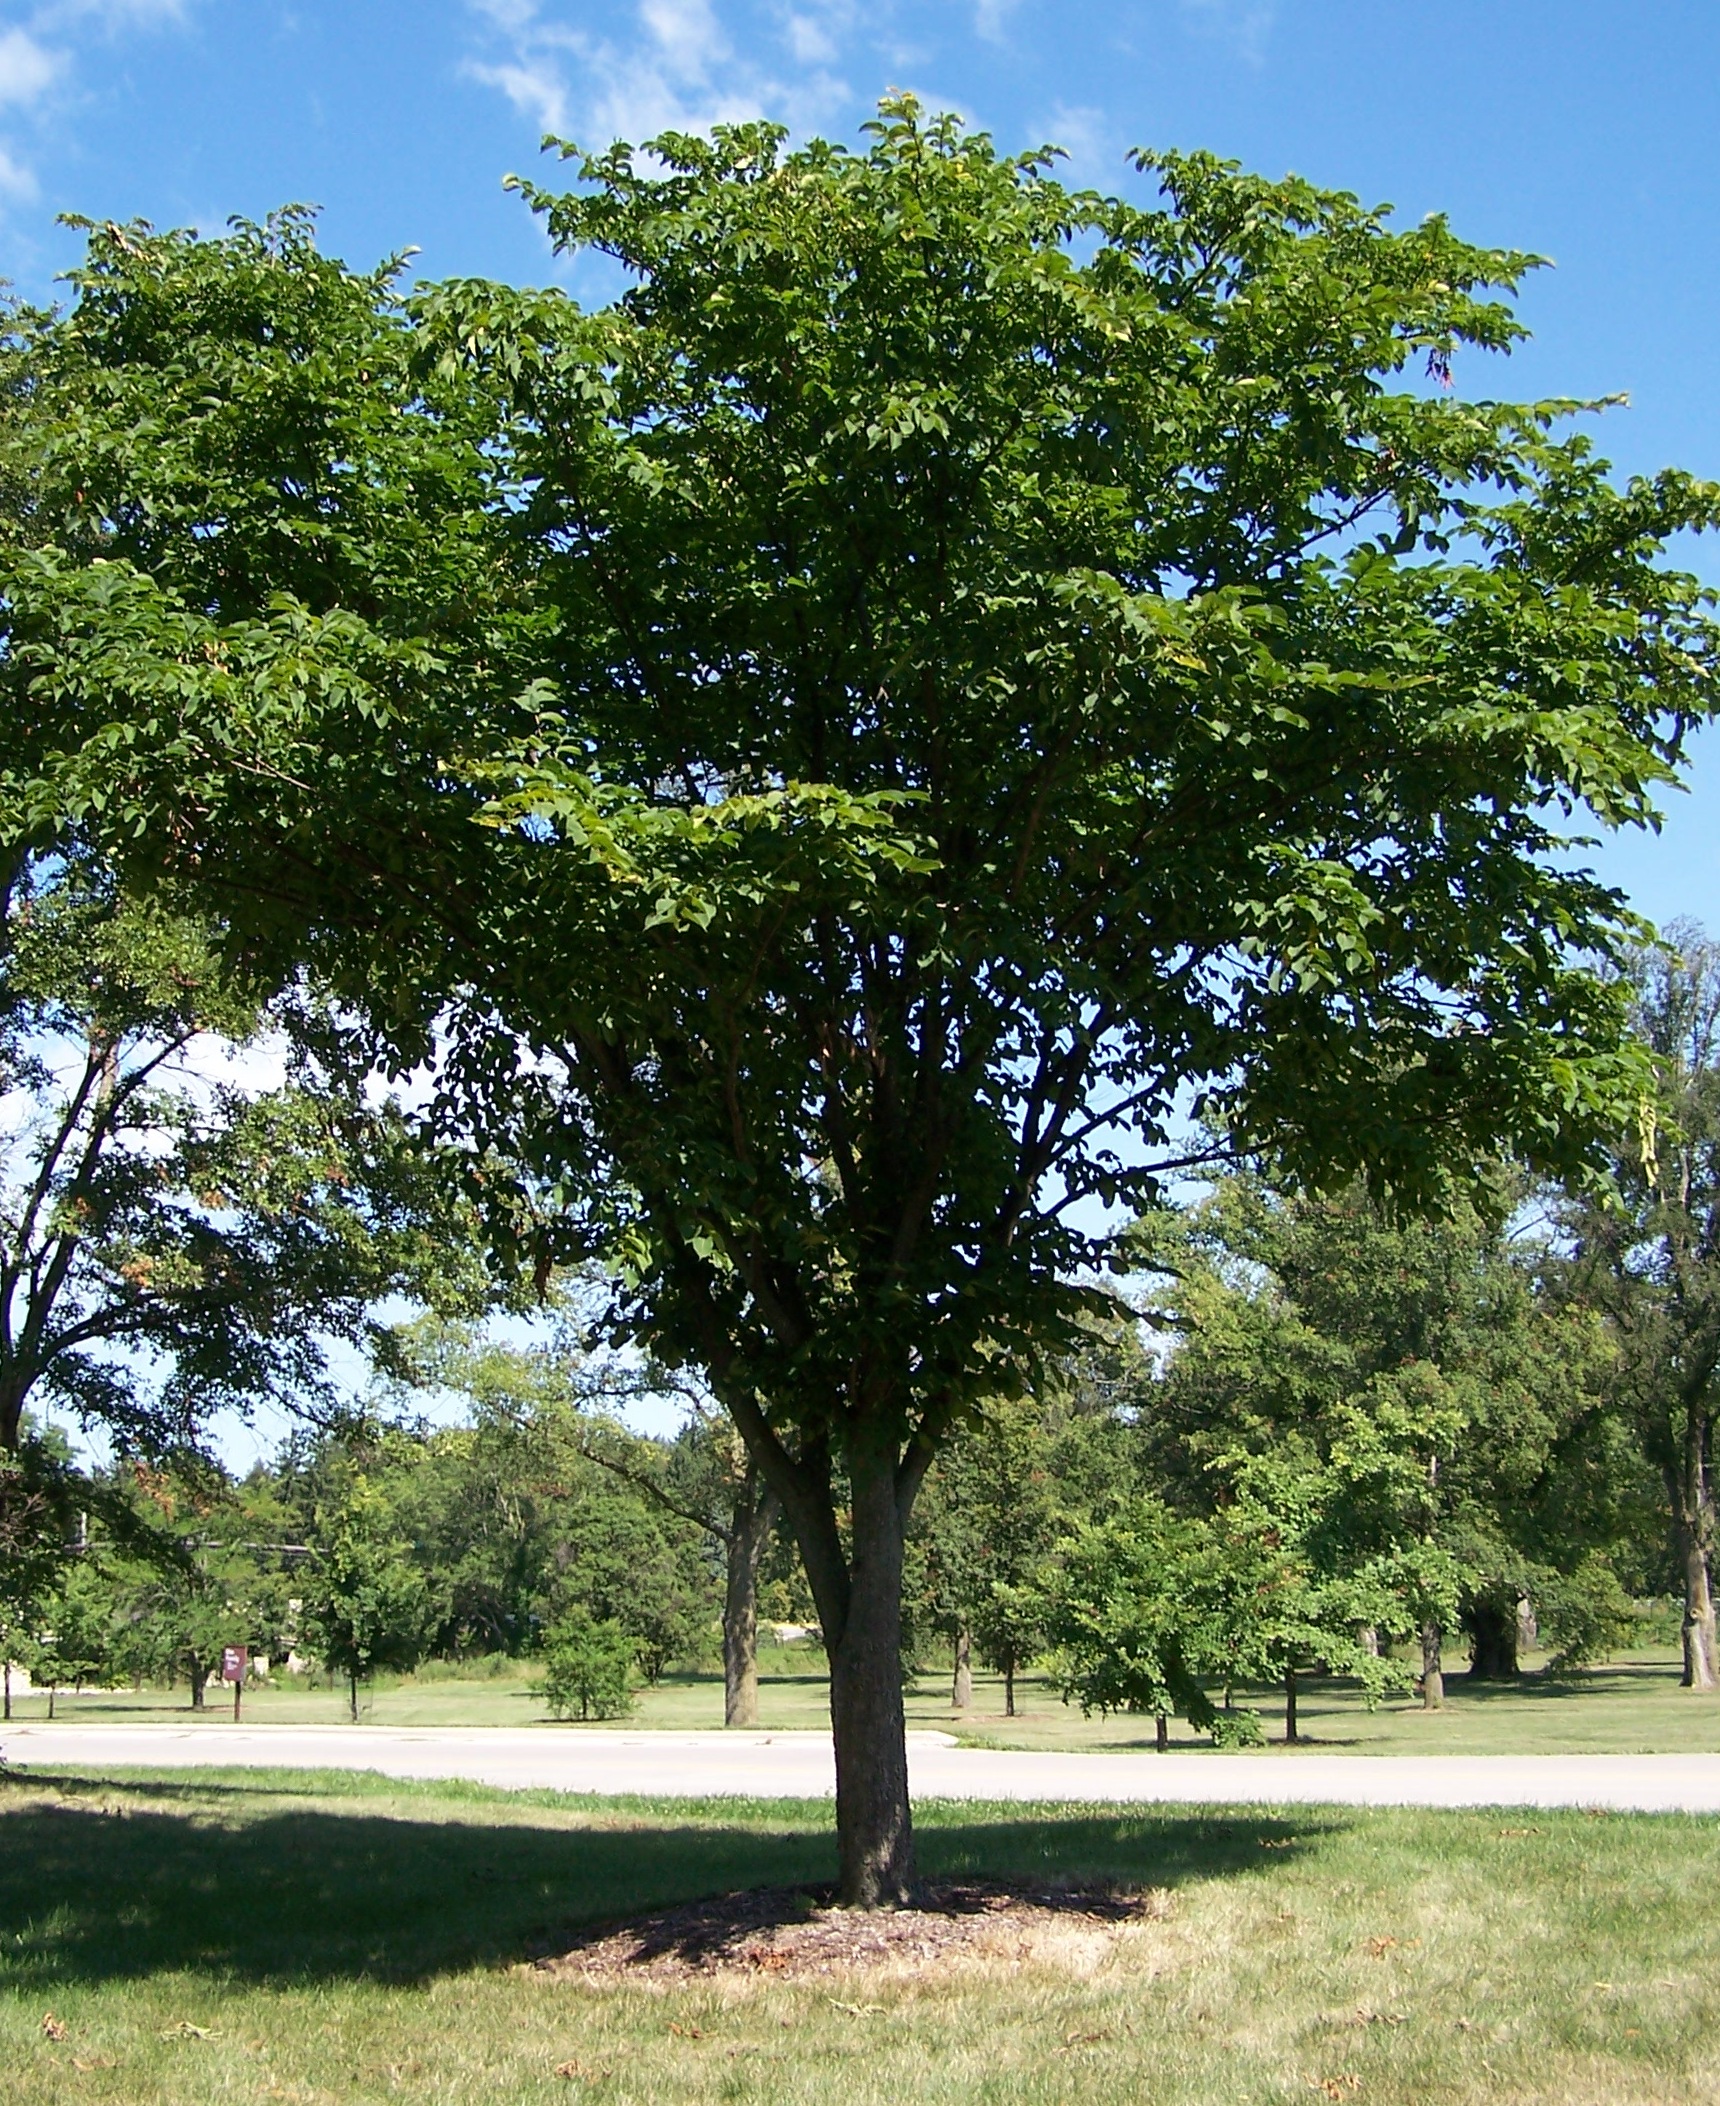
{"points": [[798, 1934]]}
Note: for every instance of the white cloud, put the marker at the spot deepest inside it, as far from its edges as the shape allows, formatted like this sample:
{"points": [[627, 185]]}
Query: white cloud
{"points": [[1088, 138], [41, 55], [1245, 25], [809, 41], [991, 17], [16, 181], [114, 14], [536, 90], [687, 36], [27, 69], [660, 65]]}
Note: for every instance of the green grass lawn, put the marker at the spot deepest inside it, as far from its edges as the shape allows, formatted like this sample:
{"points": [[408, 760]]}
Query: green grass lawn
{"points": [[1633, 1705], [265, 1936]]}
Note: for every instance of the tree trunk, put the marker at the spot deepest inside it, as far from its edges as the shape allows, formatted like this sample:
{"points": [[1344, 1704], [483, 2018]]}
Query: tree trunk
{"points": [[754, 1515], [51, 1694], [1291, 1736], [352, 1693], [961, 1694], [1528, 1629], [1161, 1733], [1432, 1674], [874, 1826], [1693, 1508], [1369, 1638], [8, 1666], [1009, 1685], [1699, 1622], [1493, 1639], [199, 1676]]}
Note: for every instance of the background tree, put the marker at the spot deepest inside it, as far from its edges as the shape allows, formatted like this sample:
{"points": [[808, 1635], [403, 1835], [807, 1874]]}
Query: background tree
{"points": [[39, 1528], [992, 1513], [707, 1478], [544, 1502], [367, 1606], [1650, 1256], [73, 1639], [1129, 1624], [172, 1244], [1416, 1395], [835, 750], [196, 1575]]}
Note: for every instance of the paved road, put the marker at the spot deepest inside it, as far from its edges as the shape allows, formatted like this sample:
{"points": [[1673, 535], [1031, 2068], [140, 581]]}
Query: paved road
{"points": [[798, 1766]]}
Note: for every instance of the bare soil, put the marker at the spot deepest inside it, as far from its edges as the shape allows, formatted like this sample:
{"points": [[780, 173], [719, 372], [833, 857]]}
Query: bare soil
{"points": [[798, 1934]]}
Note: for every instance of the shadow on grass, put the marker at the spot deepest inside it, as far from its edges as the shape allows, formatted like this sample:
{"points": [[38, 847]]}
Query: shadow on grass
{"points": [[115, 1881]]}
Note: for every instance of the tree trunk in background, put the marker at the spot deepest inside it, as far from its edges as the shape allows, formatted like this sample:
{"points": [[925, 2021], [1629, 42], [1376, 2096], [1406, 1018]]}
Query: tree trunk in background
{"points": [[1493, 1639], [1161, 1733], [1291, 1736], [1528, 1629], [874, 1826], [1693, 1511], [199, 1676], [961, 1694], [1432, 1675], [1009, 1685], [1370, 1640], [352, 1692], [755, 1514], [8, 1666], [1699, 1626]]}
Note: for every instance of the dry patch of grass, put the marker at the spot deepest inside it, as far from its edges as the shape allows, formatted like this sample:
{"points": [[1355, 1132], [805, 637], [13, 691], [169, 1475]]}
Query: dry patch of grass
{"points": [[798, 1934]]}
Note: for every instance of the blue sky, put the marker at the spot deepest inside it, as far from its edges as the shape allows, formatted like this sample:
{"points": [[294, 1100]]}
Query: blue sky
{"points": [[1584, 131]]}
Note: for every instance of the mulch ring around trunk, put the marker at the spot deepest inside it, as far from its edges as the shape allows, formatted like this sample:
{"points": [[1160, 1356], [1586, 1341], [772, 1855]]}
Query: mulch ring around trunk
{"points": [[798, 1934]]}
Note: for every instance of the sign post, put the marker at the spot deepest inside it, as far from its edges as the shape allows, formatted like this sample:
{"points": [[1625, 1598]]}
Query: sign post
{"points": [[233, 1659]]}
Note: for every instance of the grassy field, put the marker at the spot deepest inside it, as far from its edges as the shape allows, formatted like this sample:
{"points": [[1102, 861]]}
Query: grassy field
{"points": [[1633, 1705], [270, 1937]]}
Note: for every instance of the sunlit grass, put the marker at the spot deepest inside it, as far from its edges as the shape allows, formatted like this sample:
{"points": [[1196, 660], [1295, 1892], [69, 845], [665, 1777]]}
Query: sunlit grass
{"points": [[265, 1936], [1630, 1706]]}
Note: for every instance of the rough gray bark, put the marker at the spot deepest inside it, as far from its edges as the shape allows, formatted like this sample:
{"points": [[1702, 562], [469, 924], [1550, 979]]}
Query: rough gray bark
{"points": [[874, 1825], [1432, 1672], [961, 1692], [1701, 1671], [1694, 1529], [856, 1581]]}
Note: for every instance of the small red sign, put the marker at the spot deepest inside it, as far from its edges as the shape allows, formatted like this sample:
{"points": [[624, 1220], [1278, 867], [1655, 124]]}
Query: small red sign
{"points": [[233, 1659]]}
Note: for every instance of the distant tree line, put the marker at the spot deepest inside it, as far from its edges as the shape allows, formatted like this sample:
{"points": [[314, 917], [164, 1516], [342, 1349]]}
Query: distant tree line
{"points": [[1329, 1440]]}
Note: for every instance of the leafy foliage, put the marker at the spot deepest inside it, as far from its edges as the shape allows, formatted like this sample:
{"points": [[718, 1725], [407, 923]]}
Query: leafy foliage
{"points": [[588, 1668]]}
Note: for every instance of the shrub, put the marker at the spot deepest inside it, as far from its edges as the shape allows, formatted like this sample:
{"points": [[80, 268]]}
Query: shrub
{"points": [[588, 1668], [1584, 1615]]}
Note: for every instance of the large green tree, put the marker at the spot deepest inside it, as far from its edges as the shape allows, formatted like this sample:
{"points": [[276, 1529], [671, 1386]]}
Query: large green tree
{"points": [[833, 751]]}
